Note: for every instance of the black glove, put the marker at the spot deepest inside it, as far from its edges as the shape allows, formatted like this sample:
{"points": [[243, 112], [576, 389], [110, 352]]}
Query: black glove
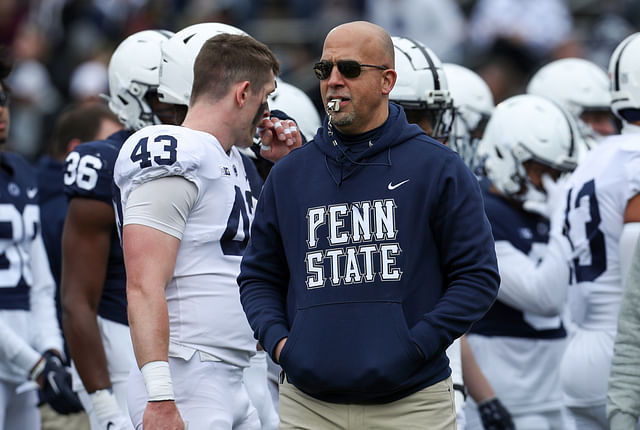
{"points": [[495, 416], [56, 386]]}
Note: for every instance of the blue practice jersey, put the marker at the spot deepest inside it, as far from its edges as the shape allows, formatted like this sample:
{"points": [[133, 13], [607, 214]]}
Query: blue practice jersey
{"points": [[528, 233], [89, 174], [19, 226], [53, 210]]}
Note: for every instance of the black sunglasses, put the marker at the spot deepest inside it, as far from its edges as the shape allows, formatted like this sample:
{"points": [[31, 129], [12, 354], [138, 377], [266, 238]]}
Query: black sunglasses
{"points": [[348, 68], [4, 98]]}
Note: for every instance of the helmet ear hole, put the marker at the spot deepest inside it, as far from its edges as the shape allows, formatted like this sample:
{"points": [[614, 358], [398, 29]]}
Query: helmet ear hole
{"points": [[136, 89]]}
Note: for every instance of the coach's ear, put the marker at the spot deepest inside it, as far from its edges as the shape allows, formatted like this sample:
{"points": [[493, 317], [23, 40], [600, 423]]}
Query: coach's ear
{"points": [[389, 78], [242, 92]]}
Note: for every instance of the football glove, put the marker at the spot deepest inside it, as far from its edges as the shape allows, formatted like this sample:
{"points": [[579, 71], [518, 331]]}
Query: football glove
{"points": [[555, 198], [56, 385], [495, 416], [107, 411]]}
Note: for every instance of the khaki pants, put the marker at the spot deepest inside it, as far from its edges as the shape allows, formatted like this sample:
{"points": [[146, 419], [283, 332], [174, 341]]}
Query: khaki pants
{"points": [[432, 408], [51, 420]]}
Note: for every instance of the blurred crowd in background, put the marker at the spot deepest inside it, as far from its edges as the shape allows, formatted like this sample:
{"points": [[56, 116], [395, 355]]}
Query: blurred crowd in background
{"points": [[61, 48]]}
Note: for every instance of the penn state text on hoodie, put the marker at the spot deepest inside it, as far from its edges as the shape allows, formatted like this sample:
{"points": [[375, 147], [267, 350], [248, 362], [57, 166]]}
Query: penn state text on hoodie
{"points": [[371, 261]]}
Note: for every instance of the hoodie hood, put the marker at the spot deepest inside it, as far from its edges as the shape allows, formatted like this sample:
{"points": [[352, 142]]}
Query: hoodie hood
{"points": [[341, 162]]}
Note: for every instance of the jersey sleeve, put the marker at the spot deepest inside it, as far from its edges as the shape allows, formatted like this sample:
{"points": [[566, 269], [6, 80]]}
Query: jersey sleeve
{"points": [[163, 204], [43, 306], [632, 171], [158, 151], [89, 171], [14, 349], [540, 288]]}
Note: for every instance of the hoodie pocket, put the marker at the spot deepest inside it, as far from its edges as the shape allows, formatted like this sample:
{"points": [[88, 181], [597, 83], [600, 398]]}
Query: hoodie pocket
{"points": [[350, 347]]}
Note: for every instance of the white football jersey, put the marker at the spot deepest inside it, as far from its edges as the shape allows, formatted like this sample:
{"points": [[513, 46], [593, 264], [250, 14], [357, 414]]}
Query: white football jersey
{"points": [[203, 297], [599, 191]]}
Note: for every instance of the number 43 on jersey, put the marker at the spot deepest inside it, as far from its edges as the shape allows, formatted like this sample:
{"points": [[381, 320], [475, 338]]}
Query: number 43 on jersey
{"points": [[236, 235]]}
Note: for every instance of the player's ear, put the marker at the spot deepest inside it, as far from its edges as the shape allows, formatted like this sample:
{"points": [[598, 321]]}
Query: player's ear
{"points": [[242, 92]]}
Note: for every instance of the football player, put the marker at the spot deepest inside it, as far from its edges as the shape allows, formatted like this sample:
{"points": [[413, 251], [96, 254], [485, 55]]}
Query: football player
{"points": [[187, 202], [76, 124], [602, 222], [528, 144], [582, 89], [423, 89], [473, 103], [30, 338], [93, 274]]}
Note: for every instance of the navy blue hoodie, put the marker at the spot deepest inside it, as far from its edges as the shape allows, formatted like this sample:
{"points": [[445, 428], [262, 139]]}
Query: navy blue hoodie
{"points": [[370, 262]]}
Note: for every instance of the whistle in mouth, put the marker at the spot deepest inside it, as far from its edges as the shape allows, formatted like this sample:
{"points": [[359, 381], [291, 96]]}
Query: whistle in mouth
{"points": [[334, 105]]}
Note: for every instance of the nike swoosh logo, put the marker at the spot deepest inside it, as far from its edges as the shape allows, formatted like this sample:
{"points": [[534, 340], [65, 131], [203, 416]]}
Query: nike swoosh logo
{"points": [[31, 192], [393, 187]]}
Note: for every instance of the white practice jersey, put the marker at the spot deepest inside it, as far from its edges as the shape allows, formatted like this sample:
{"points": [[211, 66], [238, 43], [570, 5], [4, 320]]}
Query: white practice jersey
{"points": [[203, 297], [599, 191]]}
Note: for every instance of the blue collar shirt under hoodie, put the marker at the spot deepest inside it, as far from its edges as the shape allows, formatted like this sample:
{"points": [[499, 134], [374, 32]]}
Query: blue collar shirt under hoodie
{"points": [[370, 261]]}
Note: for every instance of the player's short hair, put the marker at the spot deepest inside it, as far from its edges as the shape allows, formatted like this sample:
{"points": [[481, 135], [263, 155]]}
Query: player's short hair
{"points": [[229, 58], [79, 121]]}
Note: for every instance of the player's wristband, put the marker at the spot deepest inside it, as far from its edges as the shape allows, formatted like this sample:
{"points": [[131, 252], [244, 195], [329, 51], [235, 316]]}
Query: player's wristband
{"points": [[37, 369], [157, 379]]}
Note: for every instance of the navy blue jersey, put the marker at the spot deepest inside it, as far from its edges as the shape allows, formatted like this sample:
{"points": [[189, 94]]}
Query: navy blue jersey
{"points": [[525, 231], [19, 225], [53, 210], [89, 174], [253, 176]]}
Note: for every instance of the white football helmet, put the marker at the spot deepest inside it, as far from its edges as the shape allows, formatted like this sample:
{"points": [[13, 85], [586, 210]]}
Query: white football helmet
{"points": [[297, 104], [624, 73], [179, 55], [579, 86], [527, 128], [473, 102], [134, 69], [422, 85]]}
